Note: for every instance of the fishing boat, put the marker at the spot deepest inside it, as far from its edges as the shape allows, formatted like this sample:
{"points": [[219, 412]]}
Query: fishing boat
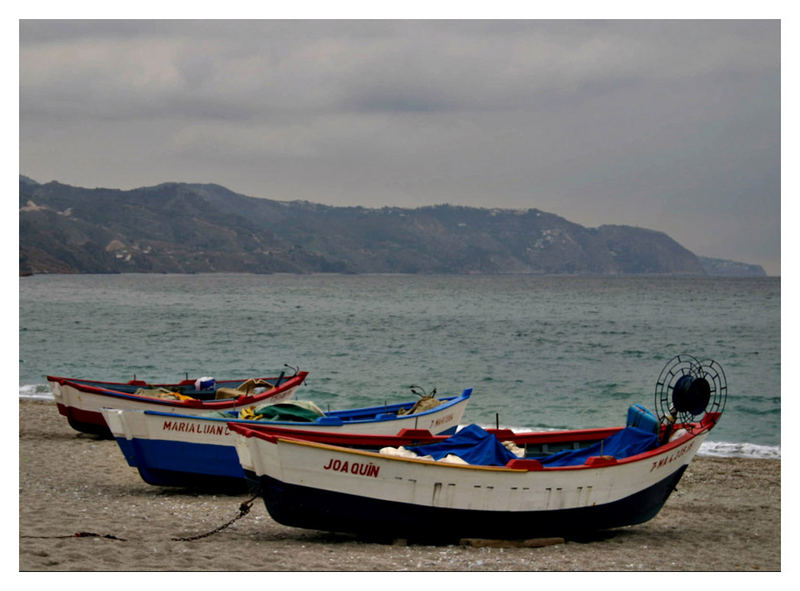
{"points": [[477, 484], [81, 400], [172, 449]]}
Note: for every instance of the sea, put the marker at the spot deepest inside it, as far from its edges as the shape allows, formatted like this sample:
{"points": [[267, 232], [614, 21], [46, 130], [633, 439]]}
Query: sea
{"points": [[539, 352]]}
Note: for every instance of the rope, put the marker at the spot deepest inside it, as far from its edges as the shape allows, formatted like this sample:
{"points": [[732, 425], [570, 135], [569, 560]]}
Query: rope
{"points": [[244, 509]]}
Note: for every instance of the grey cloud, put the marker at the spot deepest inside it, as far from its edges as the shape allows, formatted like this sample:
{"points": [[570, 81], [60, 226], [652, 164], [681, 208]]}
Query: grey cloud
{"points": [[671, 125]]}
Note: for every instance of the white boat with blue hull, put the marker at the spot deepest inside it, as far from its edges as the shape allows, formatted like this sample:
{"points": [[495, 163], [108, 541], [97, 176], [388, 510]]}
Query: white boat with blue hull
{"points": [[602, 479], [198, 451]]}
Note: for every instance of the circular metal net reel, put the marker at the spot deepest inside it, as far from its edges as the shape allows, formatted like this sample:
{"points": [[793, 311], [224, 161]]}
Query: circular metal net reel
{"points": [[687, 390]]}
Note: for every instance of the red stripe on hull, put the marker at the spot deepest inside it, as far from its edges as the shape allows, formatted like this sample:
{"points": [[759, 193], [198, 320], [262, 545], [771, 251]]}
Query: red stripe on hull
{"points": [[85, 421]]}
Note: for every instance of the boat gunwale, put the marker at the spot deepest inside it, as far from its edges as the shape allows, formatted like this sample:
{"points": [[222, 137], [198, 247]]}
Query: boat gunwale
{"points": [[291, 382], [700, 428], [142, 383], [448, 403]]}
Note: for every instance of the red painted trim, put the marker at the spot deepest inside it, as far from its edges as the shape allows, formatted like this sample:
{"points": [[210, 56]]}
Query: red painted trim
{"points": [[599, 461], [502, 434], [82, 416], [539, 437], [416, 436], [190, 381], [289, 383], [415, 433], [529, 465], [340, 438]]}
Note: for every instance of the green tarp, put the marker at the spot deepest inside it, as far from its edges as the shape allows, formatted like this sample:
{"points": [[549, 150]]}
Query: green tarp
{"points": [[298, 411]]}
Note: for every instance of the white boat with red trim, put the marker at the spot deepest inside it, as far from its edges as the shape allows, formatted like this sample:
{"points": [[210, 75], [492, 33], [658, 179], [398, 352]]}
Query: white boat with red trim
{"points": [[555, 483], [81, 400]]}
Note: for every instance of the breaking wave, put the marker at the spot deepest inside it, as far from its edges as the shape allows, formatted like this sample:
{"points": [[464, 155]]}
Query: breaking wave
{"points": [[724, 449], [35, 392]]}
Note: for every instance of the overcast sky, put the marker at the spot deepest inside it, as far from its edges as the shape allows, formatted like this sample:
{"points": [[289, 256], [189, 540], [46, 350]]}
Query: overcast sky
{"points": [[669, 125]]}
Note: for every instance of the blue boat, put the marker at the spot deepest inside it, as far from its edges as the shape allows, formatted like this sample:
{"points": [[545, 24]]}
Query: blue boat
{"points": [[197, 451]]}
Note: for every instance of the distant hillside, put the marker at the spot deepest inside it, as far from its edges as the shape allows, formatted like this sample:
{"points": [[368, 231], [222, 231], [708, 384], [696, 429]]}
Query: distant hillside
{"points": [[192, 228], [725, 268]]}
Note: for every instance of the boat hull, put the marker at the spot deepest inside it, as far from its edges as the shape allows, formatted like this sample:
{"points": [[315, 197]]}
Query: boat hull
{"points": [[332, 488], [199, 452], [189, 465], [311, 508], [82, 404]]}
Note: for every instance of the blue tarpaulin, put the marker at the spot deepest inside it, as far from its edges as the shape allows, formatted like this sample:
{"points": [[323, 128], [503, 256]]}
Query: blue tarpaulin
{"points": [[473, 445], [622, 444]]}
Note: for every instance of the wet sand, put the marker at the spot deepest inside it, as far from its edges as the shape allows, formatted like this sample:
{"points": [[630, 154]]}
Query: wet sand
{"points": [[725, 516]]}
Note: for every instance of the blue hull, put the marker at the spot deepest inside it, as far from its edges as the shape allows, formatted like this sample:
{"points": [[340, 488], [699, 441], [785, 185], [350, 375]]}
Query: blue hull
{"points": [[311, 508], [195, 465]]}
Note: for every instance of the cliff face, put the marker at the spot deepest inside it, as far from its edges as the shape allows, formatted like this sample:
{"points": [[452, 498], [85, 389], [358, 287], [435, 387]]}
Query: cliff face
{"points": [[206, 228]]}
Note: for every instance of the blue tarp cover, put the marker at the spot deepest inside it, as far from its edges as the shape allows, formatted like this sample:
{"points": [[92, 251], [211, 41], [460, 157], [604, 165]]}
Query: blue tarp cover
{"points": [[622, 444], [473, 445]]}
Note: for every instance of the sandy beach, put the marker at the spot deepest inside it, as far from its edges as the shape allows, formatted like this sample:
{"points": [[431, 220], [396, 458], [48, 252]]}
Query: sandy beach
{"points": [[725, 516]]}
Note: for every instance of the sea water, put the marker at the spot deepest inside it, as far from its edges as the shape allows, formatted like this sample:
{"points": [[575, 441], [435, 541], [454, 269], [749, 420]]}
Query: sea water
{"points": [[540, 352]]}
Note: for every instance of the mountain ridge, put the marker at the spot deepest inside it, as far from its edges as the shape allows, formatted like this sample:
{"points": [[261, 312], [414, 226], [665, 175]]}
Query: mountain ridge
{"points": [[190, 228]]}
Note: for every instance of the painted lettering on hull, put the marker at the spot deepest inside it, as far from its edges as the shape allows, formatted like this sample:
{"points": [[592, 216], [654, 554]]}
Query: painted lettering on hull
{"points": [[357, 468], [203, 428], [442, 420], [678, 453]]}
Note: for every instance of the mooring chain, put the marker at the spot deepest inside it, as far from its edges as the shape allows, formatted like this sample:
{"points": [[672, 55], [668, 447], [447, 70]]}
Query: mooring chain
{"points": [[80, 534], [244, 509]]}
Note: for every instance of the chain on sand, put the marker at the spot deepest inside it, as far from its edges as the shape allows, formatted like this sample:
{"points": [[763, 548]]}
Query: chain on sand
{"points": [[244, 509]]}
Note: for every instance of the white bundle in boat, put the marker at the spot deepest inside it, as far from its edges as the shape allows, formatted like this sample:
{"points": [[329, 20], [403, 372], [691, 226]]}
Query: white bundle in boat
{"points": [[514, 448], [402, 452], [452, 459]]}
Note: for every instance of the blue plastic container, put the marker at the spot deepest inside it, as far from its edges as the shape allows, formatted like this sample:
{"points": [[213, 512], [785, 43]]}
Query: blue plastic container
{"points": [[642, 418]]}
